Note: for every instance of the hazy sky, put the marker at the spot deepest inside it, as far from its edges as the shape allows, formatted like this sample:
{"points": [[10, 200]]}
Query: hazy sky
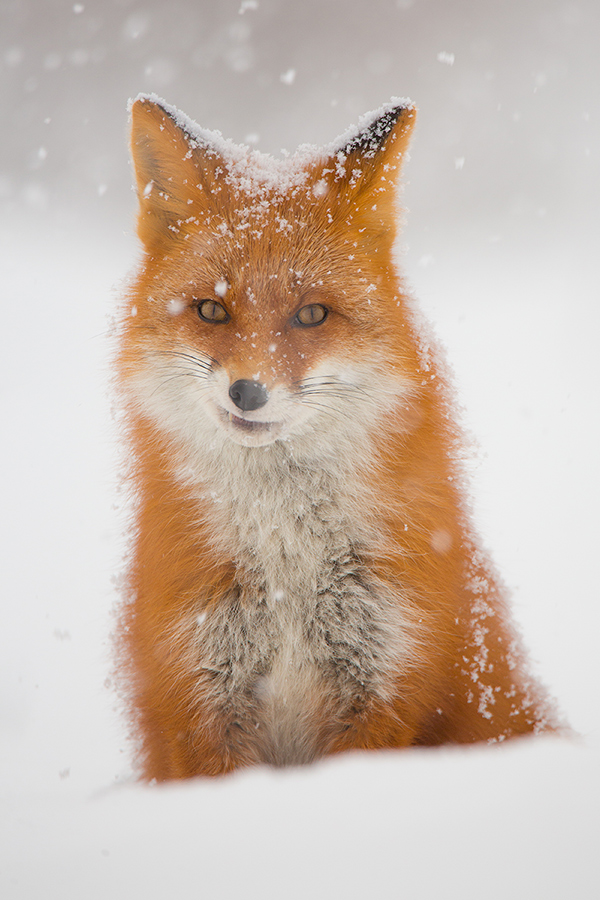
{"points": [[507, 94]]}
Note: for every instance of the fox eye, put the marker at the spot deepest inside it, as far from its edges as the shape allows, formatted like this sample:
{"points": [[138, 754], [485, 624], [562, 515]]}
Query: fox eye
{"points": [[313, 314], [211, 311]]}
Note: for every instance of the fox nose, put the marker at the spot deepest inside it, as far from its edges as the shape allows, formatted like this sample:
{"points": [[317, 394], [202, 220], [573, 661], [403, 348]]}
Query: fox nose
{"points": [[248, 395]]}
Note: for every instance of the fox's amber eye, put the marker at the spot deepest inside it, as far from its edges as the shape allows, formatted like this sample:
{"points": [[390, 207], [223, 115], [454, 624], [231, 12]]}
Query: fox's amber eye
{"points": [[211, 311], [313, 314]]}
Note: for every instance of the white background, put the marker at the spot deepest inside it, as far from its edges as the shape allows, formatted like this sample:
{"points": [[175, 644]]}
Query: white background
{"points": [[501, 244]]}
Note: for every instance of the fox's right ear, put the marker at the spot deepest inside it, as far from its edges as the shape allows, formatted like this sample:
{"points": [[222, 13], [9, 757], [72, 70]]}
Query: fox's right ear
{"points": [[362, 166], [168, 179]]}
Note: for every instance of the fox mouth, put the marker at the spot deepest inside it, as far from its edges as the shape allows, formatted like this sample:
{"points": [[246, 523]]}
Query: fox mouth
{"points": [[249, 427]]}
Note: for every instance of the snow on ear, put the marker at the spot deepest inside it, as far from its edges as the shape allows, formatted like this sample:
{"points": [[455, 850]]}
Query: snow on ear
{"points": [[168, 162], [363, 165]]}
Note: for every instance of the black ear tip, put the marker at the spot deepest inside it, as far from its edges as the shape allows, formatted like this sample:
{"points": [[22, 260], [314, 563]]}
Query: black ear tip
{"points": [[373, 136]]}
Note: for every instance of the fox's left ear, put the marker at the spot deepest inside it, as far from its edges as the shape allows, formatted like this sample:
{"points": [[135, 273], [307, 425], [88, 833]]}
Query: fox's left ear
{"points": [[363, 167]]}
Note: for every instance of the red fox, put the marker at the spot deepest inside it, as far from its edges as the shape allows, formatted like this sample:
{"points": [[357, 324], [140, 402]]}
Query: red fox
{"points": [[304, 578]]}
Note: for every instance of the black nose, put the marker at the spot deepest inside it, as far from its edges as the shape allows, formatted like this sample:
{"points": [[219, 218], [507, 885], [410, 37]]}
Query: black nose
{"points": [[248, 394]]}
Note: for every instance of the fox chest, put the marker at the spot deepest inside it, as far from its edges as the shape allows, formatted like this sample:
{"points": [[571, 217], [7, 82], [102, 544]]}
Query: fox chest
{"points": [[306, 637], [286, 667]]}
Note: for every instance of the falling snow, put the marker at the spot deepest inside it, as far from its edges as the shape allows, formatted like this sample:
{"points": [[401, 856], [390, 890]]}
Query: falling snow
{"points": [[288, 77], [512, 293]]}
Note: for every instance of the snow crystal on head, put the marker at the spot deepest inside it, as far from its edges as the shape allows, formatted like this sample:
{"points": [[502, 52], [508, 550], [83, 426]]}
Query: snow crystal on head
{"points": [[256, 173]]}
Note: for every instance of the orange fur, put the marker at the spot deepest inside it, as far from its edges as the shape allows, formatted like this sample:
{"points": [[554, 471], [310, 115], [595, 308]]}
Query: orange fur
{"points": [[319, 232]]}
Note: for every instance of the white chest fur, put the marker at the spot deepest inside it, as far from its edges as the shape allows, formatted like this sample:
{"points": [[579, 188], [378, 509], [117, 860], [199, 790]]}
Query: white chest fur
{"points": [[308, 635]]}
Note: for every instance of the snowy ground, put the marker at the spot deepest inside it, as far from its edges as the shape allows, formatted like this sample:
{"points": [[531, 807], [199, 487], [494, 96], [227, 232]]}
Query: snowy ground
{"points": [[513, 291]]}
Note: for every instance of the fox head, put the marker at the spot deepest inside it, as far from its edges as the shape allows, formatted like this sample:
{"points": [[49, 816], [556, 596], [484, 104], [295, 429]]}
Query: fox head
{"points": [[267, 307]]}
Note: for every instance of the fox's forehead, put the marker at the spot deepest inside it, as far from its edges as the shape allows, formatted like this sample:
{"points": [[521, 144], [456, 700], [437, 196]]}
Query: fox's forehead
{"points": [[262, 212], [274, 246]]}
